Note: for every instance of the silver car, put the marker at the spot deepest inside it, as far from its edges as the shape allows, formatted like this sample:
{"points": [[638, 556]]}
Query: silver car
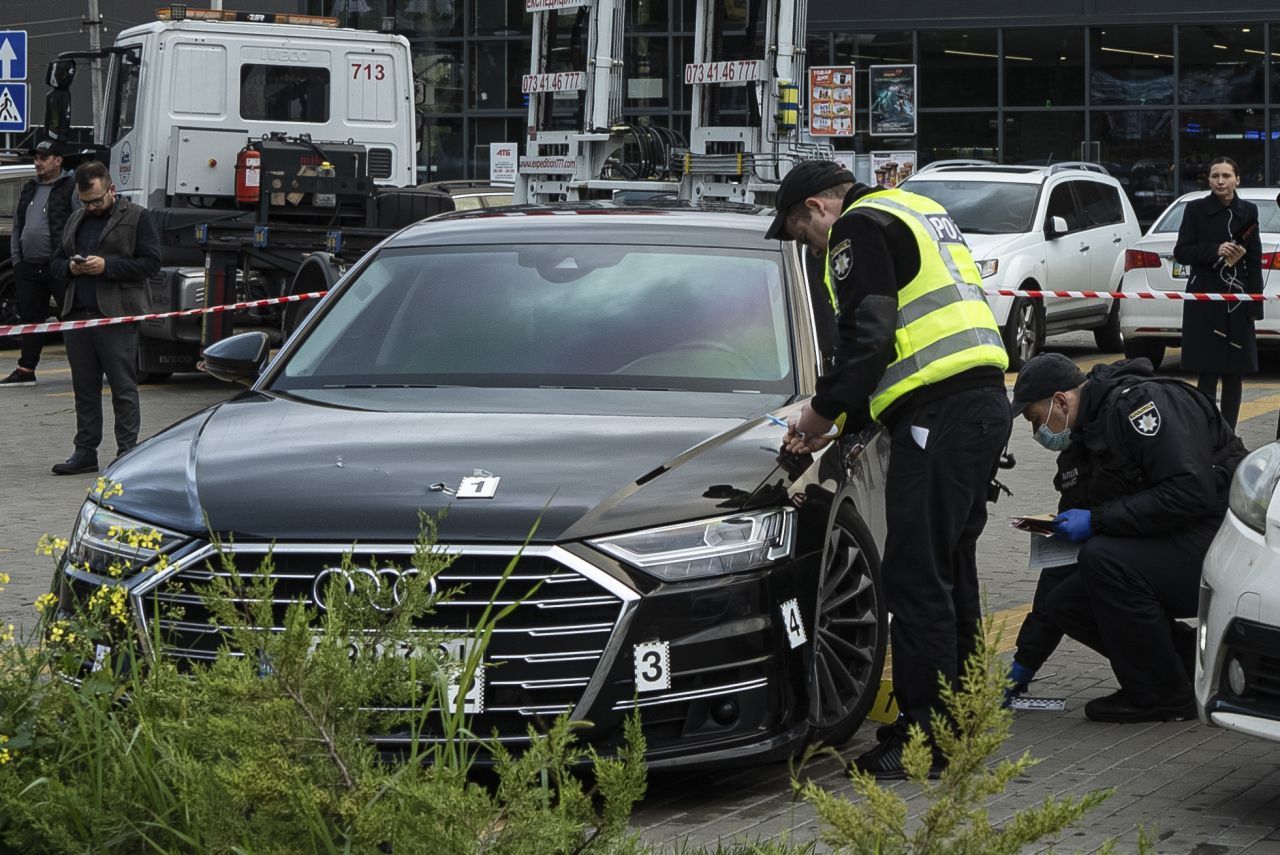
{"points": [[1150, 327]]}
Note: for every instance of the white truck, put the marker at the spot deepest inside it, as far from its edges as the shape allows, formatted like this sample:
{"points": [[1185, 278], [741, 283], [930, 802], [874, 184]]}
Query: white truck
{"points": [[258, 141]]}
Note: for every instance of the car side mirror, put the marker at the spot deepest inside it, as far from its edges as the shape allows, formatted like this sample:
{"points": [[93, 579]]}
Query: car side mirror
{"points": [[1056, 227], [238, 359]]}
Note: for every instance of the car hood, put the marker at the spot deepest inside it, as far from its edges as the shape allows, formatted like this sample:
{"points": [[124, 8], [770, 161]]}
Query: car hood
{"points": [[348, 465], [989, 246]]}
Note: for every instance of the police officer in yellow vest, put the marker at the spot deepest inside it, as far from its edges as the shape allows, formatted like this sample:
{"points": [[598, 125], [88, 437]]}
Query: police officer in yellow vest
{"points": [[920, 353]]}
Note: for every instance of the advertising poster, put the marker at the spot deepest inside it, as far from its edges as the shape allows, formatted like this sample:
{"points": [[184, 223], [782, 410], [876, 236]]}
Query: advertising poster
{"points": [[831, 101], [502, 163], [891, 168], [893, 100]]}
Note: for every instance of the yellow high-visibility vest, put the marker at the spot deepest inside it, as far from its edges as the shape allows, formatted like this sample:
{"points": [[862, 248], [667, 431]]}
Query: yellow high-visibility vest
{"points": [[944, 324]]}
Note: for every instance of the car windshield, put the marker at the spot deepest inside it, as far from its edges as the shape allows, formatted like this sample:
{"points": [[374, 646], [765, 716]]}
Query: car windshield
{"points": [[594, 316], [982, 207], [1171, 221]]}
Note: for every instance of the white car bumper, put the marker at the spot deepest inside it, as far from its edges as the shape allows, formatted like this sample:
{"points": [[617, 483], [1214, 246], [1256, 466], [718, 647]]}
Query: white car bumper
{"points": [[1240, 623]]}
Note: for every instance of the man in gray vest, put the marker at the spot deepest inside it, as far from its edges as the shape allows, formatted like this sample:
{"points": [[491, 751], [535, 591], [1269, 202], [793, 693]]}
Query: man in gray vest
{"points": [[108, 250], [44, 204]]}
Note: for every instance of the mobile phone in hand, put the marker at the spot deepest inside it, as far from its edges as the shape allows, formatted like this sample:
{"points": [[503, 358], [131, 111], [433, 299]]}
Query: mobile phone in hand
{"points": [[79, 259]]}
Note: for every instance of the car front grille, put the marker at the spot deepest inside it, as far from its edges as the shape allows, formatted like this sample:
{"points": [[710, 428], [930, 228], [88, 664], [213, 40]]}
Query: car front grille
{"points": [[545, 658]]}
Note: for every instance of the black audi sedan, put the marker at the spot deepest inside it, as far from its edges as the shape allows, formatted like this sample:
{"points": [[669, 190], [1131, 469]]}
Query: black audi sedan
{"points": [[622, 377]]}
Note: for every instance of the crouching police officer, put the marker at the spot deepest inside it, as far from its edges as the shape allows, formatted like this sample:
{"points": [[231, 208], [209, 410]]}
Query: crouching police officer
{"points": [[1151, 461], [920, 352]]}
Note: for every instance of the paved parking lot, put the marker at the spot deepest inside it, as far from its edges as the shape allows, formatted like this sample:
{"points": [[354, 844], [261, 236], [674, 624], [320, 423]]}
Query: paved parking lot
{"points": [[1200, 791]]}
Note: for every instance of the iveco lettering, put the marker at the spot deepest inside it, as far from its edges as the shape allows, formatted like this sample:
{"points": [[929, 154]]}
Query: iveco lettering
{"points": [[620, 377]]}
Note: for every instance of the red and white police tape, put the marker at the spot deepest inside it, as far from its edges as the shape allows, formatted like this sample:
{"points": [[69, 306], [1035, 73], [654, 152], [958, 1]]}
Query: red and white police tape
{"points": [[22, 329], [1135, 295], [59, 326]]}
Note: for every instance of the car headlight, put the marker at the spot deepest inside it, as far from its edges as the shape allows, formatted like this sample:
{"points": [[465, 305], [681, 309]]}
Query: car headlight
{"points": [[1253, 485], [988, 267], [712, 547], [103, 539]]}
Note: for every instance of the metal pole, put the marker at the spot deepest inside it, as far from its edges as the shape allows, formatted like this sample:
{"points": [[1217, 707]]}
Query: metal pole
{"points": [[94, 23]]}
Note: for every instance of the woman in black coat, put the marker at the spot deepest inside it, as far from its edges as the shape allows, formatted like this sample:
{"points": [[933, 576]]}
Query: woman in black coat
{"points": [[1219, 241]]}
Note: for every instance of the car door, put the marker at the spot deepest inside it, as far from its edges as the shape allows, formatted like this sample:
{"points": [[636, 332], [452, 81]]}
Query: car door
{"points": [[1066, 256], [1104, 230]]}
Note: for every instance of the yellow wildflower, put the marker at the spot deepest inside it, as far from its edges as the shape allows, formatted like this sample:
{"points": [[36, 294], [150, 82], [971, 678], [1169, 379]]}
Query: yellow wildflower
{"points": [[44, 602], [4, 578]]}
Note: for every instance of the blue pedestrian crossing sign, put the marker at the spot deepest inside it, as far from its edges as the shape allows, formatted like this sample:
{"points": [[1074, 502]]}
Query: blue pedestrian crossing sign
{"points": [[13, 107], [13, 54]]}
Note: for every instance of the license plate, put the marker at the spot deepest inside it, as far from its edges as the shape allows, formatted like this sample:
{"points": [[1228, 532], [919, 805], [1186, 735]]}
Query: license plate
{"points": [[456, 653], [1181, 271]]}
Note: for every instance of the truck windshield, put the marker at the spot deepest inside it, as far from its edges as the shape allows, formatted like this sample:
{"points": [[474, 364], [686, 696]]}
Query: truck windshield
{"points": [[597, 316]]}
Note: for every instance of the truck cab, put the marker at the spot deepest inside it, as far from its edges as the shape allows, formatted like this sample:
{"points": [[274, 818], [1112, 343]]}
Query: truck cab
{"points": [[184, 96]]}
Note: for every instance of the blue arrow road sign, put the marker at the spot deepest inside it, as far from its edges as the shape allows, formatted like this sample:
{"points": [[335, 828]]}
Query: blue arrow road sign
{"points": [[13, 54], [13, 107]]}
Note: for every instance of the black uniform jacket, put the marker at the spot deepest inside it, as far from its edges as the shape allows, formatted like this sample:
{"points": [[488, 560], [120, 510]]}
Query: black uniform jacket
{"points": [[1218, 338], [1151, 454], [877, 256]]}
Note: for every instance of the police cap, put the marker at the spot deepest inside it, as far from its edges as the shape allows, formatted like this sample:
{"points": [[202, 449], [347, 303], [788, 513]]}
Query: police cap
{"points": [[808, 178], [1041, 377]]}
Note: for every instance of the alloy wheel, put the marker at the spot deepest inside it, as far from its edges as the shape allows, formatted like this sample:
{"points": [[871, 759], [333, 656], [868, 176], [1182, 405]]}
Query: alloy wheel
{"points": [[849, 638]]}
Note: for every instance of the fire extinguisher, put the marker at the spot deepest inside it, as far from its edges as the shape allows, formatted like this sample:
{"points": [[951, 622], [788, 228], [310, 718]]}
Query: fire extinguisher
{"points": [[248, 176]]}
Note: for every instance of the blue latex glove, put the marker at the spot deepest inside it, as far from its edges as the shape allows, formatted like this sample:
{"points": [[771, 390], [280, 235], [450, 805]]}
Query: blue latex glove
{"points": [[1076, 525], [1020, 676]]}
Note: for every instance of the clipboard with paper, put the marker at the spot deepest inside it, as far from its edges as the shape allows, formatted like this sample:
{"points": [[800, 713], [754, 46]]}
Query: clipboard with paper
{"points": [[1045, 550]]}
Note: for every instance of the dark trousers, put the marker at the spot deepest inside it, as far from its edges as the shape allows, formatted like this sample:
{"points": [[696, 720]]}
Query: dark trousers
{"points": [[936, 507], [1123, 603], [36, 288], [110, 351], [1039, 635]]}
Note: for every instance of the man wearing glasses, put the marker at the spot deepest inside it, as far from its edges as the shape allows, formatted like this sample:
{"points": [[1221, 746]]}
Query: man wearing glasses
{"points": [[108, 250], [44, 204]]}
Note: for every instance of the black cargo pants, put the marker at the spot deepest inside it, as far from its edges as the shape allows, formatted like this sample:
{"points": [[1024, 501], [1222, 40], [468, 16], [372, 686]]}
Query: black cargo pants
{"points": [[1124, 600], [37, 289], [936, 507]]}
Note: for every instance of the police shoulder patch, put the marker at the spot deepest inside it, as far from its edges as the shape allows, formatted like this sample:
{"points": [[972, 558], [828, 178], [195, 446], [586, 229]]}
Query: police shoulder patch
{"points": [[1146, 419], [841, 259]]}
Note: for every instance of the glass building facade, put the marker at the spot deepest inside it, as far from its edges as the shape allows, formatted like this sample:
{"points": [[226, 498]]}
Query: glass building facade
{"points": [[1152, 102]]}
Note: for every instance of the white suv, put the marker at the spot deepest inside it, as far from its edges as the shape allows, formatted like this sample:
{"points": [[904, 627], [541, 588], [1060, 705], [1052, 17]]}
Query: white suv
{"points": [[1063, 227]]}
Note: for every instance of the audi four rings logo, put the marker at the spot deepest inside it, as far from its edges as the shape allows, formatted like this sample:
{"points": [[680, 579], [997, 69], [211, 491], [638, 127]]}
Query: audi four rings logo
{"points": [[384, 578]]}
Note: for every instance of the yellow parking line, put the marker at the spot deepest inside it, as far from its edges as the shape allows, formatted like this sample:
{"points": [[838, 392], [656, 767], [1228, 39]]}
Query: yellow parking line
{"points": [[1259, 407]]}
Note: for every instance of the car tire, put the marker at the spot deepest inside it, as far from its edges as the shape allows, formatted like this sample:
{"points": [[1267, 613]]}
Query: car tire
{"points": [[850, 632], [9, 307], [1151, 348], [1108, 337], [1024, 331]]}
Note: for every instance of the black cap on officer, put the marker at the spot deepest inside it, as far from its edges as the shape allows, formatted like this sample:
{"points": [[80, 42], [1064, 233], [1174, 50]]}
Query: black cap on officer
{"points": [[1041, 377], [808, 178]]}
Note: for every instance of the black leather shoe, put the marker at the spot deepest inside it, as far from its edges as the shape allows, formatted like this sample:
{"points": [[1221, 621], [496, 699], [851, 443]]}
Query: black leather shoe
{"points": [[884, 762], [1116, 707], [78, 463]]}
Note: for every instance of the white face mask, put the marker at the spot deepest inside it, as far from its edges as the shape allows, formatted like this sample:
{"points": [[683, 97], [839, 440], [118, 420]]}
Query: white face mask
{"points": [[1050, 439]]}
